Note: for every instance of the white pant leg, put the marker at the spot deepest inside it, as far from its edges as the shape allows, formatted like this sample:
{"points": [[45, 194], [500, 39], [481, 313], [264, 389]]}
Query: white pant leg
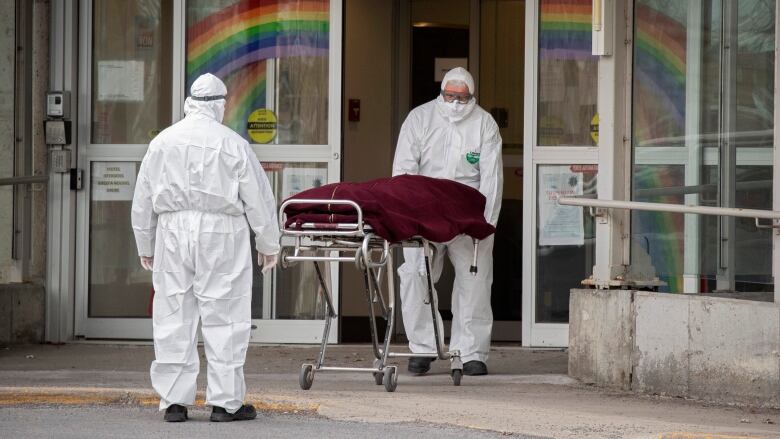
{"points": [[223, 287], [174, 321], [418, 321], [472, 315]]}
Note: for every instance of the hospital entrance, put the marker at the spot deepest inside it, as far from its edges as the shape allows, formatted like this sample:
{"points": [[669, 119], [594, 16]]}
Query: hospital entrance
{"points": [[333, 103], [487, 38]]}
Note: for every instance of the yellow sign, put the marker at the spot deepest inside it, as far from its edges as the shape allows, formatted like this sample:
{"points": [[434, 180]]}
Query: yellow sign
{"points": [[594, 129], [261, 126]]}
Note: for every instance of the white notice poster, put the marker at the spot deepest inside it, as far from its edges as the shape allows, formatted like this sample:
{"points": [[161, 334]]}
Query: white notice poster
{"points": [[120, 81], [113, 181], [295, 180], [559, 225]]}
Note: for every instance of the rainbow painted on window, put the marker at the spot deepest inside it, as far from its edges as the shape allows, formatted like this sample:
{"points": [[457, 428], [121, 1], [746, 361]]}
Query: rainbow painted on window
{"points": [[565, 29], [659, 120], [234, 43], [659, 67]]}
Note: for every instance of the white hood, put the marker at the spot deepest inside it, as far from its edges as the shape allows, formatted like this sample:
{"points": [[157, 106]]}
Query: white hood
{"points": [[210, 87]]}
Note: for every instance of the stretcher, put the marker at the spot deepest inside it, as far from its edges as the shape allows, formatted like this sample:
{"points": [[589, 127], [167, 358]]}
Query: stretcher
{"points": [[356, 243]]}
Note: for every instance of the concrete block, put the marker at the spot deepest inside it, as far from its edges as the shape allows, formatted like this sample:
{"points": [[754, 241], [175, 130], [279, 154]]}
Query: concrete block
{"points": [[734, 346], [600, 337], [22, 313], [6, 305], [660, 355], [28, 314]]}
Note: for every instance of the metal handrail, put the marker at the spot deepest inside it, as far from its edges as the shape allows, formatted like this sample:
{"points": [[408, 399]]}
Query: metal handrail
{"points": [[15, 181], [672, 208]]}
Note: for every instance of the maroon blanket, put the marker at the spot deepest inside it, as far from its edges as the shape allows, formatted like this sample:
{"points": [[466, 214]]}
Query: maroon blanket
{"points": [[399, 208]]}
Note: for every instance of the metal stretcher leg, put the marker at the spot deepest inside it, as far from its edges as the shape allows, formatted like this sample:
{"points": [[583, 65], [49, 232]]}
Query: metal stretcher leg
{"points": [[456, 365], [306, 377]]}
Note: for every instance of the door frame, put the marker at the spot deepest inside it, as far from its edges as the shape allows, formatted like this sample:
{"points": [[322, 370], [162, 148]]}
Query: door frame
{"points": [[534, 156], [267, 330]]}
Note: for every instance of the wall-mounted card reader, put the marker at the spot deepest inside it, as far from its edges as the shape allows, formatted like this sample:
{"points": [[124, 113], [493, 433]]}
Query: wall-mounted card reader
{"points": [[58, 104]]}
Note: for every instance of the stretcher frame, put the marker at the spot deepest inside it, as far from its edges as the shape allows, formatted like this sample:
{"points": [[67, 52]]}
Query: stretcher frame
{"points": [[356, 243]]}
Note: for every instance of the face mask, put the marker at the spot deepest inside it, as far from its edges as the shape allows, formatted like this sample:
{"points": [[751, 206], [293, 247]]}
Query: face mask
{"points": [[454, 111], [456, 108]]}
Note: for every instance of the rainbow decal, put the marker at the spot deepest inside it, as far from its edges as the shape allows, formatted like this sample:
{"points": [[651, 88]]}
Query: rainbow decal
{"points": [[659, 119], [234, 43], [659, 69], [661, 234], [565, 30]]}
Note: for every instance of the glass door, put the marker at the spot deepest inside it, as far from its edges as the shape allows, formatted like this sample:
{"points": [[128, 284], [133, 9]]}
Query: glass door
{"points": [[560, 159], [703, 134], [279, 69]]}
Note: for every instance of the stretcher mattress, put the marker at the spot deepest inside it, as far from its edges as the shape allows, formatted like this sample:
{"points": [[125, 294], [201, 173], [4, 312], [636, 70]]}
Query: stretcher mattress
{"points": [[399, 208]]}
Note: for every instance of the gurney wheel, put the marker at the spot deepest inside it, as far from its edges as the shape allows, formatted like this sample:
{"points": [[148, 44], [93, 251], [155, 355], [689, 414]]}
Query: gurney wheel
{"points": [[391, 378], [457, 374], [378, 376], [306, 377]]}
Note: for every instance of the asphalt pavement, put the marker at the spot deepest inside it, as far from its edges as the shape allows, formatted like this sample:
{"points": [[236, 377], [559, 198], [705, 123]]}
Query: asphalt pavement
{"points": [[74, 389]]}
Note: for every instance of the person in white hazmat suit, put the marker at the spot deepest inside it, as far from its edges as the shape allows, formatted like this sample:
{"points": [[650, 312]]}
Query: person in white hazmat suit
{"points": [[199, 190], [452, 137]]}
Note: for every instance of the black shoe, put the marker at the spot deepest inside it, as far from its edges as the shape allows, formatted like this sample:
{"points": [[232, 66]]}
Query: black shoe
{"points": [[420, 365], [474, 367], [245, 413], [176, 413]]}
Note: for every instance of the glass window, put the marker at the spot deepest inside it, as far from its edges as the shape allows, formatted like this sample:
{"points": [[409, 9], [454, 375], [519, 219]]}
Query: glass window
{"points": [[118, 285], [657, 234], [131, 70], [297, 287], [565, 248], [272, 57], [703, 110], [567, 75]]}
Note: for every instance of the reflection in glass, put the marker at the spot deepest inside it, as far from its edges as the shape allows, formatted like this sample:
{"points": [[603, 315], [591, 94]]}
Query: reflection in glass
{"points": [[271, 55], [131, 70], [567, 74], [118, 285], [565, 248], [703, 134], [659, 234]]}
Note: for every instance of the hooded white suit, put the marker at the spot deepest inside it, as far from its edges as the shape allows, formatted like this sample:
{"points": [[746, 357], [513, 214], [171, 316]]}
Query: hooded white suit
{"points": [[198, 185], [458, 142]]}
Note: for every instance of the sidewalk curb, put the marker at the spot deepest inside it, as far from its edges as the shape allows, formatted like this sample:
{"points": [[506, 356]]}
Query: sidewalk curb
{"points": [[13, 396]]}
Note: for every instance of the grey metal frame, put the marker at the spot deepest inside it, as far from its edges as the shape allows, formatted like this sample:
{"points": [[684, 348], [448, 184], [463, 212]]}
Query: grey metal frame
{"points": [[357, 241]]}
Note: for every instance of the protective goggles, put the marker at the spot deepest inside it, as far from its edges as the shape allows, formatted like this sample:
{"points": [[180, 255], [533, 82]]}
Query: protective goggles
{"points": [[207, 98], [452, 97]]}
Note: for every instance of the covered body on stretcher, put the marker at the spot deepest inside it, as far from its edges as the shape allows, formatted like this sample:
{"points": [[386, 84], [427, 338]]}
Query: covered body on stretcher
{"points": [[362, 223]]}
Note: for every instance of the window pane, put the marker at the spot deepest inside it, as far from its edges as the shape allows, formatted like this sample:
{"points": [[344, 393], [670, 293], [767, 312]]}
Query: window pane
{"points": [[271, 56], [565, 247], [118, 285], [659, 234], [567, 74], [131, 70], [703, 115], [297, 287]]}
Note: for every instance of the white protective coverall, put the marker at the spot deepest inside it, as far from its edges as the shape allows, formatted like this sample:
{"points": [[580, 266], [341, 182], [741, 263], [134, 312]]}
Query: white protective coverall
{"points": [[459, 142], [198, 185]]}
